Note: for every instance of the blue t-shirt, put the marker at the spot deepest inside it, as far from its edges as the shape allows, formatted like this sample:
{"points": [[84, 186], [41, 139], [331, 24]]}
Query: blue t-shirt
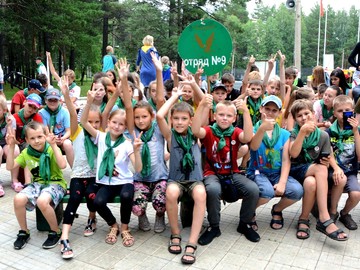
{"points": [[62, 120]]}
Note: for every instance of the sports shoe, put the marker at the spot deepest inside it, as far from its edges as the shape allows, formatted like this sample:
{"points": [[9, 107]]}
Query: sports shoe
{"points": [[144, 223], [247, 230], [348, 221], [159, 224], [209, 235], [52, 240], [22, 238]]}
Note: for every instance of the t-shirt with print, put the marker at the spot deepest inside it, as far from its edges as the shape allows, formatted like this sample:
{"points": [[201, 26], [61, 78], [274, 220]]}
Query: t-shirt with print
{"points": [[322, 146], [32, 163], [122, 160], [219, 162], [62, 120], [347, 159]]}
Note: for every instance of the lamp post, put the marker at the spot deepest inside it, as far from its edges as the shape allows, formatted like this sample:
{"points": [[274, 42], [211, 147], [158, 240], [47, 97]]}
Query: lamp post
{"points": [[297, 45]]}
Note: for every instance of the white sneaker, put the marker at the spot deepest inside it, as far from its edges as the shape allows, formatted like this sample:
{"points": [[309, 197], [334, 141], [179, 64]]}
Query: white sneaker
{"points": [[159, 224], [144, 223]]}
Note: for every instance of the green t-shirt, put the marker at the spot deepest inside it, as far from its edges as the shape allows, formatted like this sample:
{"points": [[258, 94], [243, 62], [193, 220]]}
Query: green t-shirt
{"points": [[32, 163]]}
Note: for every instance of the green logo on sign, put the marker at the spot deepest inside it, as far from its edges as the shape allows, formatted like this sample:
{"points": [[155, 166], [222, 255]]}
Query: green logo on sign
{"points": [[205, 43]]}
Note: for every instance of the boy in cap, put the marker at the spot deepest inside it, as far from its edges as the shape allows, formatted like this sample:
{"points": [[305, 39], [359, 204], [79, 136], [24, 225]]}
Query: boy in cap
{"points": [[57, 119], [269, 165], [40, 69], [23, 117], [17, 101]]}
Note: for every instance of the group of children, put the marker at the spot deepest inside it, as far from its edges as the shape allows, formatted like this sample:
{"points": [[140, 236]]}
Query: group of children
{"points": [[121, 147]]}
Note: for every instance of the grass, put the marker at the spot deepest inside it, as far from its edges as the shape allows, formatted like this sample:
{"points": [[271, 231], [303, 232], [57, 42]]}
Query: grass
{"points": [[10, 92]]}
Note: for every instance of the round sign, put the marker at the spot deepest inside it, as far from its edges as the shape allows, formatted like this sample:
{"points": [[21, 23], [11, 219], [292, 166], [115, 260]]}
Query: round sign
{"points": [[205, 43]]}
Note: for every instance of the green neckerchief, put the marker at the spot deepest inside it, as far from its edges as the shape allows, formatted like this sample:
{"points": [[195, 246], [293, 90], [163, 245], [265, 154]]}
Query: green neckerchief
{"points": [[166, 67], [309, 142], [90, 149], [25, 122], [26, 92], [214, 107], [108, 160], [270, 143], [325, 113], [145, 152], [190, 101], [53, 115], [38, 67], [152, 104], [102, 106], [2, 125], [218, 132], [186, 144], [44, 161], [254, 109], [340, 134], [121, 105], [72, 85]]}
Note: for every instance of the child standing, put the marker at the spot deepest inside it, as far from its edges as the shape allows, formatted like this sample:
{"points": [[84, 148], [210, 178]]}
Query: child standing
{"points": [[44, 160], [220, 140], [270, 162], [307, 142], [113, 174], [346, 146], [185, 173]]}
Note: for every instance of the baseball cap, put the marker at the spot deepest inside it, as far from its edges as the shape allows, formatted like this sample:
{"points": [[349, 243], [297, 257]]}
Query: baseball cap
{"points": [[273, 99], [218, 86], [52, 93], [34, 99], [38, 58], [37, 85]]}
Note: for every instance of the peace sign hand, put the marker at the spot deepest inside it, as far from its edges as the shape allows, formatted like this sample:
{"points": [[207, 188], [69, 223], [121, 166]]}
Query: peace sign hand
{"points": [[137, 141]]}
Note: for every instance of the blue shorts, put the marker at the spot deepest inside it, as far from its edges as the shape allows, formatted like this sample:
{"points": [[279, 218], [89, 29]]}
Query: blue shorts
{"points": [[299, 171]]}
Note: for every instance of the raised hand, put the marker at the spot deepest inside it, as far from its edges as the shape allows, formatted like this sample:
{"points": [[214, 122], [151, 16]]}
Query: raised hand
{"points": [[251, 60], [282, 56], [354, 123], [240, 105], [10, 139], [156, 61], [137, 141], [309, 125], [271, 61], [267, 123], [51, 138], [207, 101], [122, 68], [91, 95], [64, 85]]}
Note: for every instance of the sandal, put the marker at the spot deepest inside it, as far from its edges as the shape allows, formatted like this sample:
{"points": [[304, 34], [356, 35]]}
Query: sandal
{"points": [[172, 244], [127, 237], [303, 230], [17, 186], [2, 192], [321, 227], [189, 254], [276, 221], [253, 224], [89, 229], [66, 249], [111, 237]]}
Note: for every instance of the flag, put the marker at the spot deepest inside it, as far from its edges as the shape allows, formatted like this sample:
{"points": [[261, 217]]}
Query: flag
{"points": [[321, 9]]}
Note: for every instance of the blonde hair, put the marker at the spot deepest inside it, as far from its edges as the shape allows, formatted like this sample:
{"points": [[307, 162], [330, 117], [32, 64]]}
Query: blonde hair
{"points": [[254, 75], [148, 40], [343, 99], [165, 60], [109, 49], [226, 103], [70, 73]]}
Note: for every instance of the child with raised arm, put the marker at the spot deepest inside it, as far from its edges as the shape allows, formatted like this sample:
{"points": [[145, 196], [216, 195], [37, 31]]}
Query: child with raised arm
{"points": [[113, 174], [45, 162], [220, 140], [185, 173], [346, 146], [309, 150], [270, 162]]}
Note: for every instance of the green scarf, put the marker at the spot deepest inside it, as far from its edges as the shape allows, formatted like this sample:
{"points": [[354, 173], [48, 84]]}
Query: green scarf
{"points": [[2, 125], [121, 105], [145, 152], [44, 161], [166, 67], [214, 107], [309, 142], [325, 113], [25, 122], [218, 132], [270, 143], [90, 149], [340, 134], [102, 107], [254, 109], [26, 92], [152, 104], [108, 160], [186, 144], [72, 85], [53, 114]]}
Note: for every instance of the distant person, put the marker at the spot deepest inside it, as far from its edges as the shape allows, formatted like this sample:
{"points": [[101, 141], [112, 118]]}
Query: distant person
{"points": [[355, 54], [228, 80], [40, 69], [109, 60], [147, 69]]}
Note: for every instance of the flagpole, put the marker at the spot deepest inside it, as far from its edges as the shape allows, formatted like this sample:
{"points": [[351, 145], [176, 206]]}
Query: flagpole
{"points": [[326, 14], [318, 47]]}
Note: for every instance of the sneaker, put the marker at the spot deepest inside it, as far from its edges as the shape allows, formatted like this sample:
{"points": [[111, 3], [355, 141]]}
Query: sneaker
{"points": [[52, 240], [22, 238], [348, 221], [144, 223], [209, 235], [159, 224], [248, 231]]}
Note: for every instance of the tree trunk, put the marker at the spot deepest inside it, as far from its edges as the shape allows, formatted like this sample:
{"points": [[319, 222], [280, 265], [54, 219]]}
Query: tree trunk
{"points": [[105, 27], [72, 59]]}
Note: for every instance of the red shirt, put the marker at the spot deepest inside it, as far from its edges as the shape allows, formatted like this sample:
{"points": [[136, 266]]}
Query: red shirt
{"points": [[220, 161], [20, 125], [18, 99]]}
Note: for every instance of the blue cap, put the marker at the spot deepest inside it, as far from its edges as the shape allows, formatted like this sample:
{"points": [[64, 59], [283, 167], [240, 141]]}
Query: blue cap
{"points": [[34, 99], [53, 93], [273, 99], [37, 85]]}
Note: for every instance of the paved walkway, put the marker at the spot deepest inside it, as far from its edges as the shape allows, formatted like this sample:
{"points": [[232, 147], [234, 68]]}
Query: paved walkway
{"points": [[276, 249]]}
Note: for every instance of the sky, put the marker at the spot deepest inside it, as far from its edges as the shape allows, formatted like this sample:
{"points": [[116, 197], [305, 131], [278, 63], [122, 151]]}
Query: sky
{"points": [[307, 5]]}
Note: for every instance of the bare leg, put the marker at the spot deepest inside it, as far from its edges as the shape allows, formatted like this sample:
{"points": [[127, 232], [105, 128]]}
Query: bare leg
{"points": [[336, 193], [351, 202], [20, 201], [308, 201], [172, 196], [44, 204]]}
